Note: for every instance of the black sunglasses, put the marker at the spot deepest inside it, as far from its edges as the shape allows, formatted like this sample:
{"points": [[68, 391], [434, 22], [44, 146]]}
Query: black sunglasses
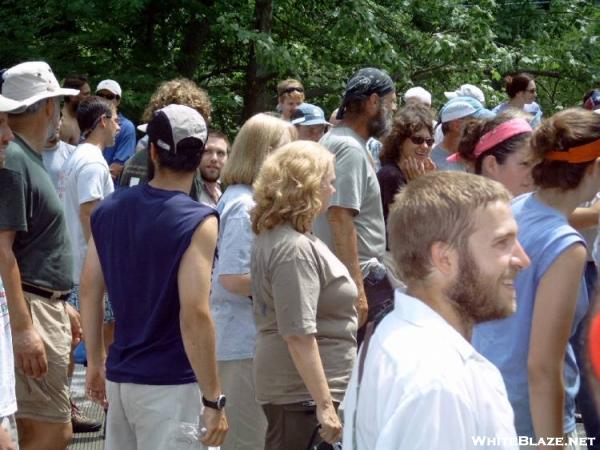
{"points": [[108, 96], [292, 89], [418, 140]]}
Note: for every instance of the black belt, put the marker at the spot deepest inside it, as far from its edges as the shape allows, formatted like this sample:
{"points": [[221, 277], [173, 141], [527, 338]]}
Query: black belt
{"points": [[45, 293]]}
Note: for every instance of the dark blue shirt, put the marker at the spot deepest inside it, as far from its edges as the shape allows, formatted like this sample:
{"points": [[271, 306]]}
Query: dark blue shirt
{"points": [[124, 147], [141, 234]]}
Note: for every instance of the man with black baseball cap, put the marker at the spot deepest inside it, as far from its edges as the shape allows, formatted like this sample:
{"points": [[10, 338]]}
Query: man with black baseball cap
{"points": [[353, 226], [154, 247]]}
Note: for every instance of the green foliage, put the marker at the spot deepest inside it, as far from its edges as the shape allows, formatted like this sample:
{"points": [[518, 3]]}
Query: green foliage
{"points": [[438, 44]]}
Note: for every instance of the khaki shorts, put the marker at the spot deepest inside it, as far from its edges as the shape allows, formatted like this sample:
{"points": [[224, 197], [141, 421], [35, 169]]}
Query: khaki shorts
{"points": [[47, 400]]}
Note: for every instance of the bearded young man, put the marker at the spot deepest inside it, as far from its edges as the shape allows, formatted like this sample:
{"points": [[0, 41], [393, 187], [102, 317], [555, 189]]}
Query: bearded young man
{"points": [[353, 227], [421, 384]]}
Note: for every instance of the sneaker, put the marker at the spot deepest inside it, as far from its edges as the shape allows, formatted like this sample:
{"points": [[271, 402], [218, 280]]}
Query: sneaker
{"points": [[81, 423]]}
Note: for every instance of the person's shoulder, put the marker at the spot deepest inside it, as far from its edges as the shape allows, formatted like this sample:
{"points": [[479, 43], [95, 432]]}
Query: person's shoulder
{"points": [[289, 244], [389, 171], [14, 156], [237, 199], [342, 138], [125, 124]]}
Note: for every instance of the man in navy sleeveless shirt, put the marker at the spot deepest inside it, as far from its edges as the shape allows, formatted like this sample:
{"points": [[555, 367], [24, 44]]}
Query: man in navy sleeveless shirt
{"points": [[154, 246]]}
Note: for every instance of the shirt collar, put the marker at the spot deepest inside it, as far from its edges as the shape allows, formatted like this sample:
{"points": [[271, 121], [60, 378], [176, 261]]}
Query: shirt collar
{"points": [[418, 313]]}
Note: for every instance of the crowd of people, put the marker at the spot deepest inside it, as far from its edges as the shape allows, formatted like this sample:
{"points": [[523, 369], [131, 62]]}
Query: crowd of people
{"points": [[390, 278]]}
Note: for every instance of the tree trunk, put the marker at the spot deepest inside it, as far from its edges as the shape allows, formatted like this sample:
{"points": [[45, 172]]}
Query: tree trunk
{"points": [[197, 32], [256, 97]]}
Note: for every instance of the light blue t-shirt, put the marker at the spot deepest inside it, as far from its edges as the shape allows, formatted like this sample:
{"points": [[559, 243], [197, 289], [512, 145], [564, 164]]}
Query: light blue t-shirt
{"points": [[531, 108], [233, 314], [544, 234], [439, 155]]}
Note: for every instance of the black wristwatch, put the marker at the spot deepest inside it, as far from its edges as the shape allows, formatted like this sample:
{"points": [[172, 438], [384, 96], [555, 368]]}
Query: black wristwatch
{"points": [[219, 404]]}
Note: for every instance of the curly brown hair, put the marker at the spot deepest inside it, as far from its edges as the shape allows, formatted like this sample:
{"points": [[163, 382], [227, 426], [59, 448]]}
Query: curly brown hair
{"points": [[565, 129], [408, 120], [180, 91]]}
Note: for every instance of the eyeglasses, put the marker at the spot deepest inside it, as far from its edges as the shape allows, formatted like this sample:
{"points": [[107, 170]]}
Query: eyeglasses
{"points": [[418, 140], [531, 91], [108, 96]]}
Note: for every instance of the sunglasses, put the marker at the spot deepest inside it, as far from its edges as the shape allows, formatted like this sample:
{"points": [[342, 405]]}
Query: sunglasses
{"points": [[418, 140], [292, 89], [108, 96]]}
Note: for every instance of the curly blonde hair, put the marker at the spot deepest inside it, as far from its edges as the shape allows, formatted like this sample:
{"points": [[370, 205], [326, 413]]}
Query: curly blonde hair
{"points": [[180, 91], [288, 186]]}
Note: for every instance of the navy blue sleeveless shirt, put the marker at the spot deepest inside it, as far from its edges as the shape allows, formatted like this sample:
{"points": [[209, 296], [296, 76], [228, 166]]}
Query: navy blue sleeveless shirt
{"points": [[141, 233]]}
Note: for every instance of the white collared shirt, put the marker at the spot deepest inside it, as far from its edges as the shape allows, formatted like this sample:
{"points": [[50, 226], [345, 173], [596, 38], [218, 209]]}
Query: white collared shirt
{"points": [[425, 387]]}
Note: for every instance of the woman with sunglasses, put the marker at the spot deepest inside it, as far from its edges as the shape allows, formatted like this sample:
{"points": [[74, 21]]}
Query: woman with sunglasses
{"points": [[522, 92], [405, 153], [499, 149], [531, 348]]}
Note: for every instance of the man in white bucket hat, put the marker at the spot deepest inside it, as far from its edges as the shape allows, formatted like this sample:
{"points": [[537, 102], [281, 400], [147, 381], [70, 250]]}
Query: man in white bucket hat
{"points": [[36, 261]]}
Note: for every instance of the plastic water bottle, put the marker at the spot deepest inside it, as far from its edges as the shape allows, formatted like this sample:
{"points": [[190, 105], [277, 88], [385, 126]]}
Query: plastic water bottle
{"points": [[190, 436]]}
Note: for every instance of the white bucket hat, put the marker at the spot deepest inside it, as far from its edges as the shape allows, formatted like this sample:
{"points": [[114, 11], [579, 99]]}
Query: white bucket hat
{"points": [[31, 82]]}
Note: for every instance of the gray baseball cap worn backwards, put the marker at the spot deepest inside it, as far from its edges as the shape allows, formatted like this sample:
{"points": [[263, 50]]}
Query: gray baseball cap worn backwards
{"points": [[175, 127], [363, 83]]}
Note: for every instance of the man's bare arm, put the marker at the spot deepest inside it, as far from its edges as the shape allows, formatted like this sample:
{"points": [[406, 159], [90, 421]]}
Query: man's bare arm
{"points": [[85, 213], [30, 353], [197, 328], [345, 245], [91, 299]]}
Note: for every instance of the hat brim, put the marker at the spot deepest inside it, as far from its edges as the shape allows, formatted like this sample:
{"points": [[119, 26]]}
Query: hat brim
{"points": [[450, 95], [484, 114], [61, 92], [8, 105], [312, 122], [143, 127]]}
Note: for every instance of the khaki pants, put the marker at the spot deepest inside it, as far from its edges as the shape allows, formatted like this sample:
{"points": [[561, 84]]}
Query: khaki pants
{"points": [[247, 421]]}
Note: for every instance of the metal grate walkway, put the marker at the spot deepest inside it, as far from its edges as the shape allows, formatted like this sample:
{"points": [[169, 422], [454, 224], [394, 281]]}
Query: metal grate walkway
{"points": [[86, 441]]}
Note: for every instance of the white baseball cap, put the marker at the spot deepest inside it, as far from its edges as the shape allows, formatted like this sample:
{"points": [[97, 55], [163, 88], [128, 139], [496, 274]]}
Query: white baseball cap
{"points": [[109, 85], [419, 93], [467, 90], [31, 82]]}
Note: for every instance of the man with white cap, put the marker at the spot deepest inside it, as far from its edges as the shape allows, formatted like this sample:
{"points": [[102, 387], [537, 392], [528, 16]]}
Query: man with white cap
{"points": [[418, 94], [467, 90], [8, 400], [452, 117], [310, 122], [163, 357], [124, 147], [36, 261]]}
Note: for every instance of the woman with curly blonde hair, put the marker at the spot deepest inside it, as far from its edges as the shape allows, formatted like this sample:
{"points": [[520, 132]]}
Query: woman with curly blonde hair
{"points": [[230, 301], [303, 300]]}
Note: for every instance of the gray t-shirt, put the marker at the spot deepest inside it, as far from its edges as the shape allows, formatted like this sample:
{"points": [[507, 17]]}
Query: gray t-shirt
{"points": [[233, 316], [357, 189], [439, 155], [299, 287]]}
